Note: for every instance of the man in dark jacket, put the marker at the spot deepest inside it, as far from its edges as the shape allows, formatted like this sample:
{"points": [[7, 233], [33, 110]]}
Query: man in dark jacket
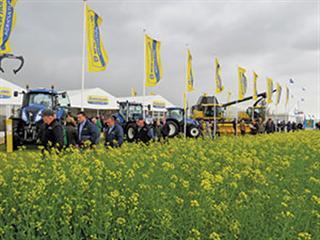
{"points": [[270, 127], [143, 133], [52, 136], [113, 133], [87, 131], [71, 131]]}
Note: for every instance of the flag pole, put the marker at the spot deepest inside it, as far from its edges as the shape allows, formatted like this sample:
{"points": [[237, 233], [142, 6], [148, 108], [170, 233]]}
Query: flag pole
{"points": [[236, 123], [185, 114], [83, 54], [186, 101], [144, 74]]}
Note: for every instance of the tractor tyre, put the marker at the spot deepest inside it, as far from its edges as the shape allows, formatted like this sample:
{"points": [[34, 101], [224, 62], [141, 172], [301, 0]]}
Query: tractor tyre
{"points": [[130, 132], [173, 129], [193, 131]]}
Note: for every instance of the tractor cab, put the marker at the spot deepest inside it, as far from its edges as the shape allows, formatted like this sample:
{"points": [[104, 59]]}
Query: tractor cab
{"points": [[129, 111], [175, 113], [35, 101], [207, 108], [27, 125]]}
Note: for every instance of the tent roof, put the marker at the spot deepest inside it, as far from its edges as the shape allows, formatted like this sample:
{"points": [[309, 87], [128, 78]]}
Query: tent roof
{"points": [[157, 102], [94, 98], [6, 93]]}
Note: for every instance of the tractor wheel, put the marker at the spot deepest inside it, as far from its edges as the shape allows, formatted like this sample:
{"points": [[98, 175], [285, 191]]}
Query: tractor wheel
{"points": [[173, 128], [130, 131], [193, 131]]}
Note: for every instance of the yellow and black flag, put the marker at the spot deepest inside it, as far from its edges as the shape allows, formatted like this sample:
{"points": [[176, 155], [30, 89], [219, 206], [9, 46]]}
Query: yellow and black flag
{"points": [[97, 56], [190, 79], [7, 23], [269, 90], [133, 92], [255, 90], [242, 79], [287, 95], [279, 90], [218, 80], [153, 62]]}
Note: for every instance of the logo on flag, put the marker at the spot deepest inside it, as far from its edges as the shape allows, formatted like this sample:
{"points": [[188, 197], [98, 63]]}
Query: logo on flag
{"points": [[153, 61], [219, 87], [242, 82], [190, 79], [7, 22], [255, 91], [97, 56], [269, 90], [279, 90], [287, 95]]}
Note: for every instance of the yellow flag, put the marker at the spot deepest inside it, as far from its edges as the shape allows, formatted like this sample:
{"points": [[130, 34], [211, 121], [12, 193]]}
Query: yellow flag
{"points": [[287, 95], [255, 91], [153, 61], [190, 79], [269, 90], [219, 87], [279, 90], [97, 56], [242, 79], [7, 23], [133, 92]]}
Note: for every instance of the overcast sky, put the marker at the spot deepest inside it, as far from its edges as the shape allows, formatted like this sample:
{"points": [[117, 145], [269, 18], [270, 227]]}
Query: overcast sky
{"points": [[278, 39]]}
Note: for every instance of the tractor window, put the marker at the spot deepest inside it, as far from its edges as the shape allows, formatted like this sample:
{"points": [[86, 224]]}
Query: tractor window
{"points": [[40, 99], [209, 111], [175, 114], [63, 101], [135, 109]]}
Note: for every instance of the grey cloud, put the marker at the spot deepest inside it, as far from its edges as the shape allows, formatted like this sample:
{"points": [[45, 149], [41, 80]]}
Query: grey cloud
{"points": [[277, 39]]}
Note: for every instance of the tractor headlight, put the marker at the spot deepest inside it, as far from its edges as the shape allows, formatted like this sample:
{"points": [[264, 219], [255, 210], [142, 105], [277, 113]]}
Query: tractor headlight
{"points": [[38, 116], [24, 116]]}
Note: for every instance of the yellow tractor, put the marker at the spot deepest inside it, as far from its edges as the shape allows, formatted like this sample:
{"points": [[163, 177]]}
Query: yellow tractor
{"points": [[208, 109]]}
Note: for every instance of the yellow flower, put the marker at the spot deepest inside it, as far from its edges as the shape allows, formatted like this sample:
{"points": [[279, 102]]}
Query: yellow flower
{"points": [[179, 201], [206, 184], [194, 203], [304, 236], [115, 194], [214, 236], [121, 221], [195, 233], [315, 199]]}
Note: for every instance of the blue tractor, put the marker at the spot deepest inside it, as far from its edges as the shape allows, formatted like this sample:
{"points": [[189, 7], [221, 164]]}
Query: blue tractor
{"points": [[28, 124], [175, 120], [128, 113]]}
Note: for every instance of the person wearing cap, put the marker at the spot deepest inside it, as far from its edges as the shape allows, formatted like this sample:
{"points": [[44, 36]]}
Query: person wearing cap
{"points": [[143, 132], [52, 135], [113, 132], [87, 131]]}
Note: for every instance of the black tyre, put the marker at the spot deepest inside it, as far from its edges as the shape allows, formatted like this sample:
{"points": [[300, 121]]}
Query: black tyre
{"points": [[130, 132], [173, 128], [193, 131]]}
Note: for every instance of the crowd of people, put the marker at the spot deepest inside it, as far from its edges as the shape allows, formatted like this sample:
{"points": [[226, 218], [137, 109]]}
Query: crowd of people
{"points": [[81, 131], [85, 132], [209, 129]]}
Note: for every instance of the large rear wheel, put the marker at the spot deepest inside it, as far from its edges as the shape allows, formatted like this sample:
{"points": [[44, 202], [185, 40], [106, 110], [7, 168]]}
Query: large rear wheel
{"points": [[130, 131], [173, 128]]}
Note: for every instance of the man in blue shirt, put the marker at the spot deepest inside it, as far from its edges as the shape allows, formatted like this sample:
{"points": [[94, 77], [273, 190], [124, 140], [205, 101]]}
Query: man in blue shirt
{"points": [[87, 131], [113, 132]]}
